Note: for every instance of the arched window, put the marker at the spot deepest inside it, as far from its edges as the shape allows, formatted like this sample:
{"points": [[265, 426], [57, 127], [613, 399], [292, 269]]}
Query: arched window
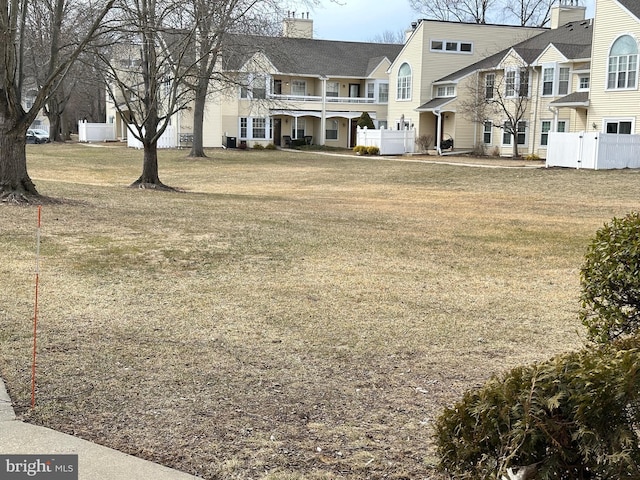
{"points": [[404, 82], [623, 63]]}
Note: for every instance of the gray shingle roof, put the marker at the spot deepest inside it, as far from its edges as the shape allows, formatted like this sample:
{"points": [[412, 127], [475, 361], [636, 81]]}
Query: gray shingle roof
{"points": [[311, 57], [573, 40], [632, 5], [435, 103], [573, 98]]}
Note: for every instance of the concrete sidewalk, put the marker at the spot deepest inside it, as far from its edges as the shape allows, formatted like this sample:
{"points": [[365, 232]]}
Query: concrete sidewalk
{"points": [[95, 462]]}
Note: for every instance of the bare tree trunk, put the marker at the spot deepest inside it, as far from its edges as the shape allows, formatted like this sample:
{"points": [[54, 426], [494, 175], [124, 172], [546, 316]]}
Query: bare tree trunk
{"points": [[197, 148], [15, 184], [54, 126]]}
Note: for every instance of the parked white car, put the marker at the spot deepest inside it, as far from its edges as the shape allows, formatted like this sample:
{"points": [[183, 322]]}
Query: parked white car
{"points": [[36, 135]]}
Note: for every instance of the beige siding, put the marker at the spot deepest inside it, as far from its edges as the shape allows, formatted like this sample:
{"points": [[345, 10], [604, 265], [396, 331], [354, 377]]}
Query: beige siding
{"points": [[611, 21], [551, 55], [429, 66]]}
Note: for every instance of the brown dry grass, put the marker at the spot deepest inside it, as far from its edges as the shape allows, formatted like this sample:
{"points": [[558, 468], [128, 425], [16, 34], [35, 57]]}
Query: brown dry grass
{"points": [[289, 315]]}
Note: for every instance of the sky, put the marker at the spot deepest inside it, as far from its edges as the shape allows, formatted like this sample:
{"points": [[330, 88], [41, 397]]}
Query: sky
{"points": [[364, 20], [358, 20]]}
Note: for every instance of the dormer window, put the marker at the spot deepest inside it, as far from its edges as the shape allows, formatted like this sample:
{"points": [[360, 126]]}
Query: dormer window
{"points": [[446, 91]]}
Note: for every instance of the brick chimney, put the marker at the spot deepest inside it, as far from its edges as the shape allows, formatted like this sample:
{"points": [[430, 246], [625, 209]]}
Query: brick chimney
{"points": [[294, 27]]}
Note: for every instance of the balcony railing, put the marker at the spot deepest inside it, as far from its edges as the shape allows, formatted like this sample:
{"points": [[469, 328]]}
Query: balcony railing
{"points": [[316, 99]]}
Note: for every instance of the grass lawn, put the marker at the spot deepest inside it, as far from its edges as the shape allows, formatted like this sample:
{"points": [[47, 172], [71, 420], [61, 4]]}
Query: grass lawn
{"points": [[287, 315]]}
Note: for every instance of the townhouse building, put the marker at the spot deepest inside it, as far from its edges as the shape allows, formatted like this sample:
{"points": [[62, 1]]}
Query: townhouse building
{"points": [[579, 74]]}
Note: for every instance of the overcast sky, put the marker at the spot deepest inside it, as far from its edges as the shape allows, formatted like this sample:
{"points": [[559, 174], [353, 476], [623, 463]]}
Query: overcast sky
{"points": [[364, 20]]}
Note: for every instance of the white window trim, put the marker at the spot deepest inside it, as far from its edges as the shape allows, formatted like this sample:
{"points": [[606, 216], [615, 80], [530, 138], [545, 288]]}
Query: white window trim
{"points": [[606, 79], [251, 77], [580, 77], [517, 82], [410, 85], [555, 87], [606, 120], [544, 120], [376, 90], [301, 82], [444, 46], [449, 91], [268, 125], [490, 133], [553, 79], [337, 122], [514, 136]]}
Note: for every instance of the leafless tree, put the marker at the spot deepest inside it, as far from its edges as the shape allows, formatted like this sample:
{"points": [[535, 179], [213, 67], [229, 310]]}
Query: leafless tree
{"points": [[390, 37], [531, 13], [15, 183], [144, 69], [500, 97], [475, 11]]}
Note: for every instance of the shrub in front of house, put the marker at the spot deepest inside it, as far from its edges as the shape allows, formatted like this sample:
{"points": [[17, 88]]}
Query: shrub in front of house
{"points": [[365, 121], [258, 146], [610, 281], [360, 149], [572, 417], [373, 150]]}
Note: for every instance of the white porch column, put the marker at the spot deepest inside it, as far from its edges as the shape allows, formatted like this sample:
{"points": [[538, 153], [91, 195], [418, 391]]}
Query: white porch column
{"points": [[323, 117], [438, 130]]}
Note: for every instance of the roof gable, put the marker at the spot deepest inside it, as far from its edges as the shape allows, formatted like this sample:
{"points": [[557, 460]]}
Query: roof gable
{"points": [[572, 40]]}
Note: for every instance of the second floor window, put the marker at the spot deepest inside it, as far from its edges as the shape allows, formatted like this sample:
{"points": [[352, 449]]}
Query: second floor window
{"points": [[547, 80], [299, 87], [563, 81], [446, 91], [583, 82], [623, 63], [383, 93], [333, 89], [489, 84], [516, 83], [404, 82]]}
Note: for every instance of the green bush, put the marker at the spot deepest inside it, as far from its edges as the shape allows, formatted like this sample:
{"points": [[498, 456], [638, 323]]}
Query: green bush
{"points": [[373, 150], [271, 146], [573, 417], [258, 146], [365, 121], [610, 280]]}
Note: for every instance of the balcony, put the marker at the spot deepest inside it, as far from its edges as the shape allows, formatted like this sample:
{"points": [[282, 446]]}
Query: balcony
{"points": [[316, 99]]}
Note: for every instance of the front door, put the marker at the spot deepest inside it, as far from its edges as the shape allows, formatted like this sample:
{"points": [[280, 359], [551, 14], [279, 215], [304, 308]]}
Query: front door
{"points": [[353, 138], [354, 90], [277, 132]]}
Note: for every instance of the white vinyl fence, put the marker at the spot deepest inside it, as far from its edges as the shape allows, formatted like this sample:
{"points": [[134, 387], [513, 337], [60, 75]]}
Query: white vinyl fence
{"points": [[96, 132], [593, 150], [167, 140], [390, 142]]}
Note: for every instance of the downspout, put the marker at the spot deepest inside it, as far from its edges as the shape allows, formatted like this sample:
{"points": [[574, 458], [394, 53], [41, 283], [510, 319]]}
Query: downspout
{"points": [[438, 130], [555, 111], [535, 116], [323, 118]]}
